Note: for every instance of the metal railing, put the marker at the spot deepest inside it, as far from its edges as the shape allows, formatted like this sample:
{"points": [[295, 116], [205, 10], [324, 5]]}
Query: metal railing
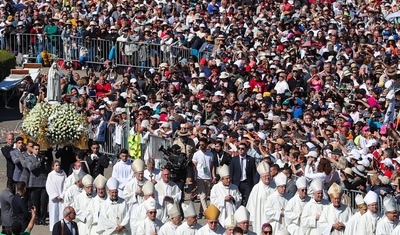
{"points": [[88, 51]]}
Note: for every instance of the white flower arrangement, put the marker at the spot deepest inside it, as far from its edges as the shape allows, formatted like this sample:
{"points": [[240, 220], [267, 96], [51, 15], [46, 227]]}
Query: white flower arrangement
{"points": [[58, 123]]}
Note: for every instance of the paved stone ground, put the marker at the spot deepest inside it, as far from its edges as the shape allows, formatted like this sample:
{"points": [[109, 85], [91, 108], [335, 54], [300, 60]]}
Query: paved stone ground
{"points": [[10, 119]]}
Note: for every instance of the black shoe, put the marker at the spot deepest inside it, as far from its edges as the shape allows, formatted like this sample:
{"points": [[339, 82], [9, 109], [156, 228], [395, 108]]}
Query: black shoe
{"points": [[43, 222]]}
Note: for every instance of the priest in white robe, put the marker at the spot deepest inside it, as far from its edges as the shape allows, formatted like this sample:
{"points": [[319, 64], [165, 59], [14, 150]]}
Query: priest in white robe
{"points": [[190, 226], [140, 212], [351, 225], [74, 189], [93, 209], [276, 203], [258, 197], [224, 195], [396, 230], [175, 219], [81, 203], [133, 193], [313, 209], [389, 222], [334, 216], [242, 218], [152, 173], [77, 170], [230, 224], [295, 205], [369, 220], [55, 188], [150, 225], [167, 193], [122, 170], [212, 227], [114, 214]]}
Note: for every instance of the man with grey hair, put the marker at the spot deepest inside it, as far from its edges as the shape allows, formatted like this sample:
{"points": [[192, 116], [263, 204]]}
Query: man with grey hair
{"points": [[66, 226]]}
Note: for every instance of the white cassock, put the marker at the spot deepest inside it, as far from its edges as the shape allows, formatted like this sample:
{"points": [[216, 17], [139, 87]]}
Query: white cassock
{"points": [[169, 189], [113, 214], [273, 208], [129, 194], [331, 215], [55, 187], [155, 176], [123, 173], [93, 210], [367, 224], [385, 226], [80, 205], [293, 211], [217, 198], [168, 228], [256, 204], [140, 214], [205, 230], [185, 229], [70, 180], [308, 221], [396, 230], [70, 194], [351, 225], [148, 226]]}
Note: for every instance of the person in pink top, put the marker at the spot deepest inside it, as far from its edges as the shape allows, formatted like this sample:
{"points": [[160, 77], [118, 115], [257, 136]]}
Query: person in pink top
{"points": [[316, 82]]}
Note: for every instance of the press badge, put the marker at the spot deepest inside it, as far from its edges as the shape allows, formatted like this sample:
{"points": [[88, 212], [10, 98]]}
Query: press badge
{"points": [[205, 170]]}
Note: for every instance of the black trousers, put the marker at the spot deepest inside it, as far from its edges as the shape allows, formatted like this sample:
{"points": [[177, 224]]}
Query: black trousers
{"points": [[40, 200], [245, 190]]}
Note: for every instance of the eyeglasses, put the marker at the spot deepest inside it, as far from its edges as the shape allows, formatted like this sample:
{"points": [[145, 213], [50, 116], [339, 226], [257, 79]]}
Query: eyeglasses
{"points": [[208, 106], [267, 232], [152, 212], [241, 148]]}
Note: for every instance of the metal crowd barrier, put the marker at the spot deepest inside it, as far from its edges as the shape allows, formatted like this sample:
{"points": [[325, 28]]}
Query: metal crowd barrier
{"points": [[94, 51]]}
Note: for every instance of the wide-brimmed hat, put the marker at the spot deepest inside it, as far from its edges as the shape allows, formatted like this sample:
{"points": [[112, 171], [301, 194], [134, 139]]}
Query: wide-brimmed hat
{"points": [[359, 170], [183, 132], [37, 22]]}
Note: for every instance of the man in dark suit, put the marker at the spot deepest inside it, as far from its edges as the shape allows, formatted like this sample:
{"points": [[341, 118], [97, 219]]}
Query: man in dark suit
{"points": [[220, 157], [19, 205], [243, 172], [66, 226], [5, 150], [97, 161]]}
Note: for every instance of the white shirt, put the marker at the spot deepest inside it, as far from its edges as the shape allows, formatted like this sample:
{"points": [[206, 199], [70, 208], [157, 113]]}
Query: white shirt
{"points": [[203, 161], [242, 161]]}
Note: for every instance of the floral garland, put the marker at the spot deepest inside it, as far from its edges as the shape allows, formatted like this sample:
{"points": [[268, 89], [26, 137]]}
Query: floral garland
{"points": [[56, 123]]}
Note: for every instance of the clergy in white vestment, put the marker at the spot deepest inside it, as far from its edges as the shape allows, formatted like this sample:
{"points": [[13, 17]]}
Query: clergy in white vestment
{"points": [[81, 203], [351, 225], [212, 227], [122, 170], [224, 195], [133, 193], [242, 217], [175, 219], [258, 197], [55, 188], [229, 224], [150, 225], [396, 230], [369, 220], [140, 212], [74, 189], [389, 222], [334, 216], [114, 214], [93, 209], [295, 206], [190, 226], [313, 209], [151, 173], [167, 193], [71, 178], [276, 204]]}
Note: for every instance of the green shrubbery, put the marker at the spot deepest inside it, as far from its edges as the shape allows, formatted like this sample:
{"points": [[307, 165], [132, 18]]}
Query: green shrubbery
{"points": [[7, 62]]}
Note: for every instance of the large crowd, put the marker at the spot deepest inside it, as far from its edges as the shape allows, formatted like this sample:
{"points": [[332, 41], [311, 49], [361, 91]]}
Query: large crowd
{"points": [[287, 113]]}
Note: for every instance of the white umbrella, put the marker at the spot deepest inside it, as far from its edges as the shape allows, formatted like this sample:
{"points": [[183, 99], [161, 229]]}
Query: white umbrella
{"points": [[393, 15]]}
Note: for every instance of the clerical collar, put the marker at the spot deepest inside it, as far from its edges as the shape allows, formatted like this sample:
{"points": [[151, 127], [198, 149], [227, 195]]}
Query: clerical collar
{"points": [[114, 200]]}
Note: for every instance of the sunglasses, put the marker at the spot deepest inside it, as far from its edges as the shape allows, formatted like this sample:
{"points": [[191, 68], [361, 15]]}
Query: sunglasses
{"points": [[267, 232], [241, 148]]}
